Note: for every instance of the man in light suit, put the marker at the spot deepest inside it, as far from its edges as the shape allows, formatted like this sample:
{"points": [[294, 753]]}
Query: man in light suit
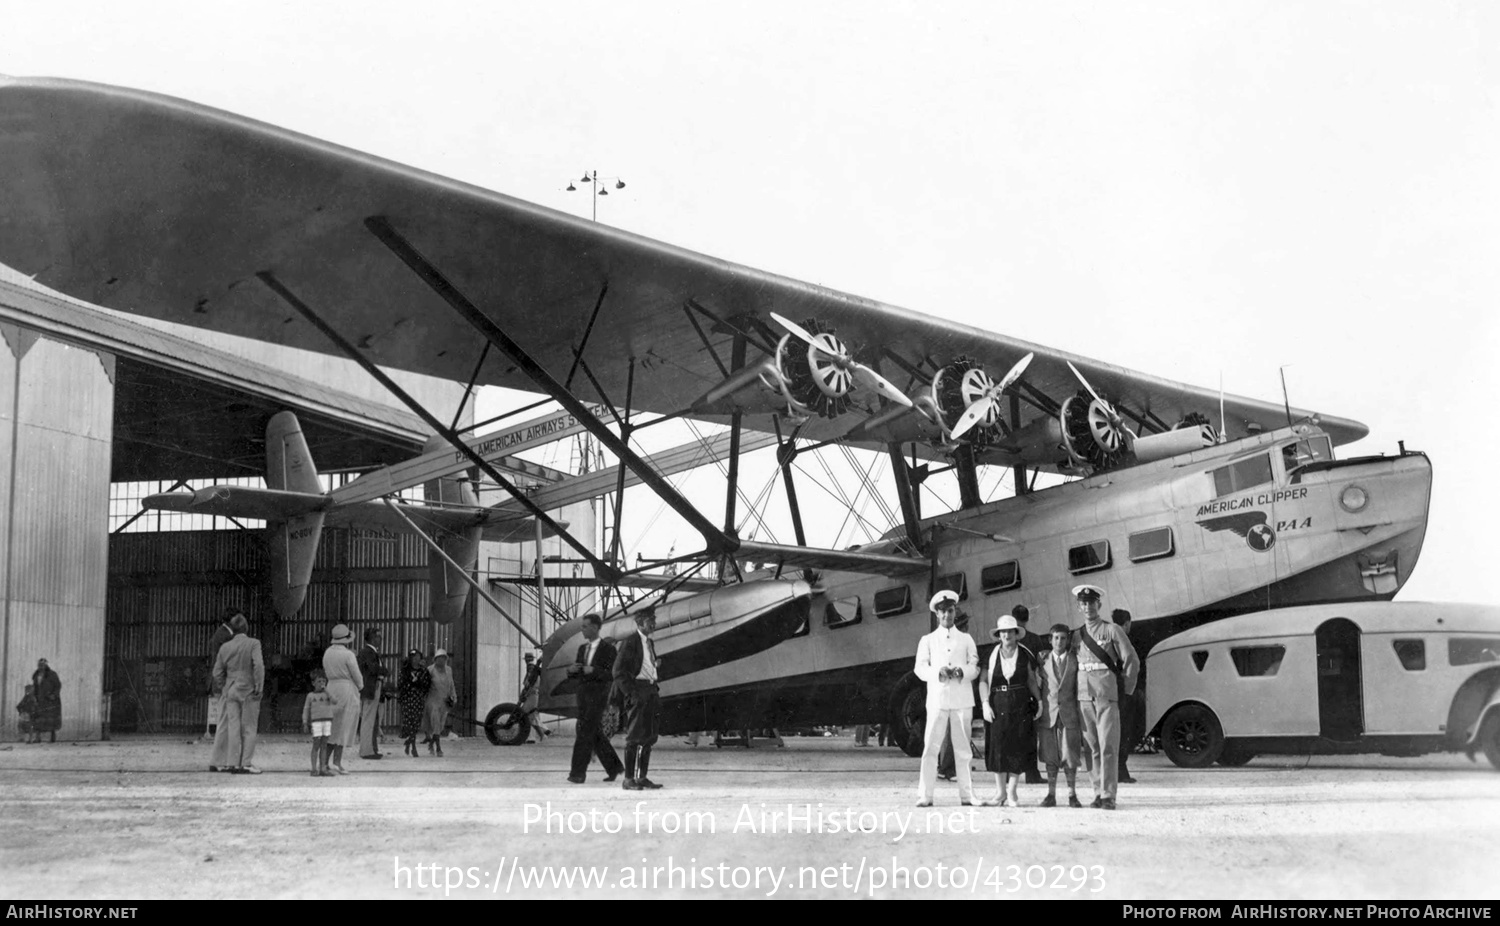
{"points": [[1059, 730], [948, 661], [1103, 677], [637, 674], [593, 670], [240, 673]]}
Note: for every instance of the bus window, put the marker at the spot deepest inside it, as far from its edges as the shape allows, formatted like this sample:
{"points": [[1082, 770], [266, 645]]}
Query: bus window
{"points": [[1467, 651], [1263, 661], [1412, 653], [1241, 475]]}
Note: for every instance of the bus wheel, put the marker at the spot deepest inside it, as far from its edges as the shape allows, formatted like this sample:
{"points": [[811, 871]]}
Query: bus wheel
{"points": [[1234, 756], [908, 717], [1489, 739], [1192, 737], [506, 725]]}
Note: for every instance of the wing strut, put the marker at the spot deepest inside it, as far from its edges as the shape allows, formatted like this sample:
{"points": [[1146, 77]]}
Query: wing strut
{"points": [[786, 452], [603, 569], [381, 227], [906, 492]]}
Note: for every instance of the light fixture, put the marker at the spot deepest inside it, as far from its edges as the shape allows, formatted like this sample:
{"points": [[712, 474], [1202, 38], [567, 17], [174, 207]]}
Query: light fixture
{"points": [[619, 184], [1354, 498], [603, 191], [571, 187], [585, 178]]}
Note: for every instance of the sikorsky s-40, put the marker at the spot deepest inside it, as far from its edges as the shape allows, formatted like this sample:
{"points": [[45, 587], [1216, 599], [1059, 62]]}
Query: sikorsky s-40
{"points": [[1188, 505]]}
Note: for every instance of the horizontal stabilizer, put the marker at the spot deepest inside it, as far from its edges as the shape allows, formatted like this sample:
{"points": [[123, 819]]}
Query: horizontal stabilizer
{"points": [[239, 502]]}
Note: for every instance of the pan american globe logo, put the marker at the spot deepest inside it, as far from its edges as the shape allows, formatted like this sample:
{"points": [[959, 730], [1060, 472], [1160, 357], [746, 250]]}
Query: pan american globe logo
{"points": [[1260, 538]]}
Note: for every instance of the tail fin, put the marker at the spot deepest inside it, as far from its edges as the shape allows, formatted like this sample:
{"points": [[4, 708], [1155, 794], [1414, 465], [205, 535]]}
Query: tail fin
{"points": [[448, 589], [294, 541]]}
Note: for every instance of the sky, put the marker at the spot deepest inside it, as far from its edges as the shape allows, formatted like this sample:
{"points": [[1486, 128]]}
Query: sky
{"points": [[1192, 190]]}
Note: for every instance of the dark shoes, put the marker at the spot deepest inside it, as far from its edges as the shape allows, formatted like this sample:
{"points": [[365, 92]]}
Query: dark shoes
{"points": [[1108, 804], [646, 784], [575, 779], [1049, 801], [1098, 802], [630, 784], [1073, 801], [611, 776], [1125, 779]]}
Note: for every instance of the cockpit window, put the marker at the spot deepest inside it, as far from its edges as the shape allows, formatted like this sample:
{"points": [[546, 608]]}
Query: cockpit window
{"points": [[1296, 455], [1241, 475]]}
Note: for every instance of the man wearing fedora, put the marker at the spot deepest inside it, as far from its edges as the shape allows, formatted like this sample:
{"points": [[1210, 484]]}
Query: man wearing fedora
{"points": [[1107, 669], [948, 661], [240, 673]]}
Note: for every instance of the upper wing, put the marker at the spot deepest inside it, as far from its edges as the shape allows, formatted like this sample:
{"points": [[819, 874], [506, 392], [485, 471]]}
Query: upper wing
{"points": [[150, 204]]}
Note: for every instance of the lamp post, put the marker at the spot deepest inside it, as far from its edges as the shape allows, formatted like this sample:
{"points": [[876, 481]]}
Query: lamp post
{"points": [[599, 186]]}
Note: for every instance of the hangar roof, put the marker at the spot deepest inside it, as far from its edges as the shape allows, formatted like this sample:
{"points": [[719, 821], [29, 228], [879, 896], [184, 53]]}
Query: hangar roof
{"points": [[184, 410]]}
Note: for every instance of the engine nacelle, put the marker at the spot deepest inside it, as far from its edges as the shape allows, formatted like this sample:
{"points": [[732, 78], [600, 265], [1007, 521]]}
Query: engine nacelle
{"points": [[1091, 436]]}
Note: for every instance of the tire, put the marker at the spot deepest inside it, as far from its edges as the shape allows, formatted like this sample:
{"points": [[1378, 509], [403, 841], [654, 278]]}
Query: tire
{"points": [[506, 725], [1234, 756], [908, 718], [1192, 737], [1489, 739]]}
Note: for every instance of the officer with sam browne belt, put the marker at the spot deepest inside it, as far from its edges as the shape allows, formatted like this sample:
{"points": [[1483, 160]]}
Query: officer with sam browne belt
{"points": [[1107, 670]]}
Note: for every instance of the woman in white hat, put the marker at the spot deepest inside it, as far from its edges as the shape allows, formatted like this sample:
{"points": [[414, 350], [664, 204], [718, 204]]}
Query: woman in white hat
{"points": [[439, 699], [344, 683], [1008, 689]]}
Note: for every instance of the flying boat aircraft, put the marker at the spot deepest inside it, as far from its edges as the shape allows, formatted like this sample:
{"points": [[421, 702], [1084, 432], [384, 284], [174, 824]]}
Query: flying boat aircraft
{"points": [[1186, 505]]}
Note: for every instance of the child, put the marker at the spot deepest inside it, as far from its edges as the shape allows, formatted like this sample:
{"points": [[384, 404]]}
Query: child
{"points": [[1060, 726], [27, 709], [317, 719]]}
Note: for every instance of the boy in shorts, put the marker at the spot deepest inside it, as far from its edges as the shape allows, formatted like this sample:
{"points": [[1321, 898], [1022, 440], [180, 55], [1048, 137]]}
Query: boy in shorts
{"points": [[317, 719]]}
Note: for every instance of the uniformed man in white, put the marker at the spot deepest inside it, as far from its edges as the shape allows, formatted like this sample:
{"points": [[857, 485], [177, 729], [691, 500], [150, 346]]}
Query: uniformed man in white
{"points": [[948, 661], [1107, 669]]}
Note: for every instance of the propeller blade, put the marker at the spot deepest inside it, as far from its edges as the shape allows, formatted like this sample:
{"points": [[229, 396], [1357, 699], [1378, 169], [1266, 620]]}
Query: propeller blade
{"points": [[971, 416], [1086, 384], [1015, 373], [869, 379], [797, 330]]}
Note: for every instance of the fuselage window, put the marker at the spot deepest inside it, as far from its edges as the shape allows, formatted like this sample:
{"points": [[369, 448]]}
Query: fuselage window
{"points": [[1412, 653], [999, 578], [892, 601], [1244, 474], [1152, 544], [1467, 651], [953, 582], [842, 612], [1089, 557], [1263, 661]]}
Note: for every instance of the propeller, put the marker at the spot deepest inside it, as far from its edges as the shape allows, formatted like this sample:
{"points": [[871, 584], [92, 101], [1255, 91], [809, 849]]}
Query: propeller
{"points": [[985, 408], [1108, 427], [841, 367]]}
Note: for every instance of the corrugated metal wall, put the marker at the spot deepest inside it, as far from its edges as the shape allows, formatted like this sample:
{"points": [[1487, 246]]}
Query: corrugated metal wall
{"points": [[56, 427], [167, 591]]}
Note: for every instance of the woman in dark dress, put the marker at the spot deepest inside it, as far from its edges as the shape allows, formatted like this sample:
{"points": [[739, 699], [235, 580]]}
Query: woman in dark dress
{"points": [[1011, 695], [48, 691], [413, 690]]}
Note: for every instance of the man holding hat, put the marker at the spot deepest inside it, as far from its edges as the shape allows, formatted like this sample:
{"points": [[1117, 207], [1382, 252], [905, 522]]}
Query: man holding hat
{"points": [[637, 674], [948, 661], [1107, 668]]}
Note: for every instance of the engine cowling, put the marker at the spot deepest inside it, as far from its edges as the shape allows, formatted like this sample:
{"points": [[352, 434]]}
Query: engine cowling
{"points": [[811, 380], [1091, 436], [959, 385]]}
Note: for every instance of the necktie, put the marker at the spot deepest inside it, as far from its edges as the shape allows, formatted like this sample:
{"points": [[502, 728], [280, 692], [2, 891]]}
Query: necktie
{"points": [[651, 645]]}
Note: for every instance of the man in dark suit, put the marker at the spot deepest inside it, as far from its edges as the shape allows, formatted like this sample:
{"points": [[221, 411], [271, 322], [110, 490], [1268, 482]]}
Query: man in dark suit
{"points": [[1038, 646], [593, 670], [1132, 707], [637, 673], [371, 671]]}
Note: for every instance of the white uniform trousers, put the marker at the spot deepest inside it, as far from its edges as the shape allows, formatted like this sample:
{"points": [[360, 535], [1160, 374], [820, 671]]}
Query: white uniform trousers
{"points": [[956, 722]]}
